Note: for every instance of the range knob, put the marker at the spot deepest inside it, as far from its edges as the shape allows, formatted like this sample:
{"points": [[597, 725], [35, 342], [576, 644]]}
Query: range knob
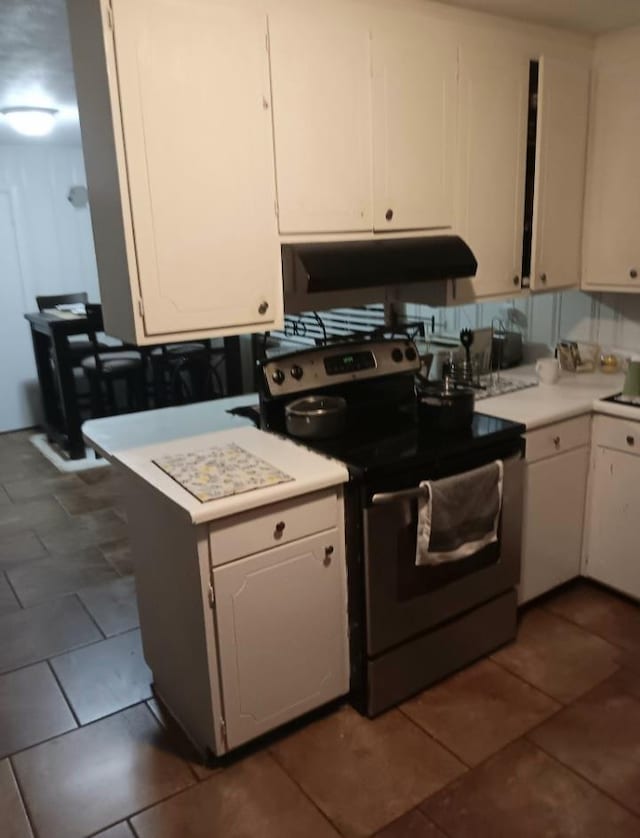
{"points": [[277, 376], [396, 355], [297, 372], [410, 354]]}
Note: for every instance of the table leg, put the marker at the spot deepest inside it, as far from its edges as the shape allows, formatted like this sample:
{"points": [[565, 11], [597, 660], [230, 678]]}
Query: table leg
{"points": [[68, 396], [47, 383]]}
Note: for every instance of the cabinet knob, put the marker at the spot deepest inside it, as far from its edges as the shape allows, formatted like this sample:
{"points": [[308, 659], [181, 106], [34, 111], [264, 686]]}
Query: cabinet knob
{"points": [[516, 280], [388, 214], [328, 552], [556, 441], [263, 308], [631, 440], [633, 273], [279, 529], [543, 278]]}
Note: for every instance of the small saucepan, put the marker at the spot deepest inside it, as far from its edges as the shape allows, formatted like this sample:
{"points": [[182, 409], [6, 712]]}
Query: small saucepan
{"points": [[316, 417]]}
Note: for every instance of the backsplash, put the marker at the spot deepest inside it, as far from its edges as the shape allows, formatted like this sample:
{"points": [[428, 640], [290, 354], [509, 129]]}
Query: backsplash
{"points": [[611, 320]]}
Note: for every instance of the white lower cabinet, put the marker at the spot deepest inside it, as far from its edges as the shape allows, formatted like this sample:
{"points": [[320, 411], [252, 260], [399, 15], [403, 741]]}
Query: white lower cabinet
{"points": [[612, 552], [281, 626], [244, 618], [554, 502]]}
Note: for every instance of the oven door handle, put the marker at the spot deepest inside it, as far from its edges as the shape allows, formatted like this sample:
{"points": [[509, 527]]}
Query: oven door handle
{"points": [[416, 492], [392, 497]]}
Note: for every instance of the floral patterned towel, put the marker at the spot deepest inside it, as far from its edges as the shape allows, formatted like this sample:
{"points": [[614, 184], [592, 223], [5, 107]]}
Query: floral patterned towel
{"points": [[220, 471]]}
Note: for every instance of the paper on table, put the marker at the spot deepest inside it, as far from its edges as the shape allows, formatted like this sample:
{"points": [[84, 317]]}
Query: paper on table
{"points": [[220, 471], [67, 312]]}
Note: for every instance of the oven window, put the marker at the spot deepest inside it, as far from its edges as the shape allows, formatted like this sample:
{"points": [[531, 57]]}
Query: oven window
{"points": [[413, 581]]}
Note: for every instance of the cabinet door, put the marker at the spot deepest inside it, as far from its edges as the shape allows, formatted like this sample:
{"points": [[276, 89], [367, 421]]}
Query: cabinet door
{"points": [[193, 80], [612, 554], [554, 499], [281, 618], [491, 167], [563, 101], [612, 226], [414, 123], [321, 79]]}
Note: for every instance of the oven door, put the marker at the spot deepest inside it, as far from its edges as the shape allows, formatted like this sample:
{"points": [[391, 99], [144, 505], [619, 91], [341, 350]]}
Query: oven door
{"points": [[404, 600]]}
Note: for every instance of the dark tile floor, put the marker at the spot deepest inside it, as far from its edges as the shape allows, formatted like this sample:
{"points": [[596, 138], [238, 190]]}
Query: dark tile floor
{"points": [[541, 739]]}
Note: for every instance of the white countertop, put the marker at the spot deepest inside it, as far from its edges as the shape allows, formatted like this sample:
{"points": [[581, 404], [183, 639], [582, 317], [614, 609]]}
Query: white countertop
{"points": [[133, 430], [310, 472], [572, 395]]}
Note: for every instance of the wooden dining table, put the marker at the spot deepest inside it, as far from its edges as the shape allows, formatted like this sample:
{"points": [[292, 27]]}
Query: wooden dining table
{"points": [[55, 361]]}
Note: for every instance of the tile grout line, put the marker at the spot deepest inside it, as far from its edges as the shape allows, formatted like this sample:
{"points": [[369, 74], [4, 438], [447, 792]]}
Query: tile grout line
{"points": [[64, 694], [90, 615], [307, 796], [13, 591], [23, 798], [584, 779], [165, 730], [523, 680], [432, 736], [65, 651], [590, 631]]}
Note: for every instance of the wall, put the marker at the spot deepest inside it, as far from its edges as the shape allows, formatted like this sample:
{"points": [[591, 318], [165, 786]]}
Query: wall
{"points": [[48, 249], [56, 241], [611, 320]]}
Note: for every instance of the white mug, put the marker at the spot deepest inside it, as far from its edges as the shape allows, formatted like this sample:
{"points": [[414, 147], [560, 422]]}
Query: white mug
{"points": [[547, 370]]}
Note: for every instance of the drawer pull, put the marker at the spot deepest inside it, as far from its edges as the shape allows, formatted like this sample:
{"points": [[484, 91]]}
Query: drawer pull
{"points": [[631, 440], [556, 441], [279, 529], [328, 552]]}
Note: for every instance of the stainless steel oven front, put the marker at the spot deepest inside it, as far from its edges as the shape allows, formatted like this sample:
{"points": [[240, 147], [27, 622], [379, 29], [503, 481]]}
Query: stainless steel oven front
{"points": [[423, 622]]}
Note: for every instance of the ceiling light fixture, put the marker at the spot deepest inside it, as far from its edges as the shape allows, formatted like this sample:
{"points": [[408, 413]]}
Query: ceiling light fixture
{"points": [[32, 122]]}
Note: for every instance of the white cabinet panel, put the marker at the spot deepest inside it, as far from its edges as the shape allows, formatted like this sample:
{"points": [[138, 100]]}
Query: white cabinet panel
{"points": [[612, 554], [320, 70], [491, 167], [281, 619], [554, 500], [414, 122], [193, 81], [612, 227], [563, 101]]}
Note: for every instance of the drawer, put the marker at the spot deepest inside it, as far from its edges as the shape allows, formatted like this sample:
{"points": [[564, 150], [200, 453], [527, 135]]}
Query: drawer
{"points": [[620, 434], [553, 439], [270, 526]]}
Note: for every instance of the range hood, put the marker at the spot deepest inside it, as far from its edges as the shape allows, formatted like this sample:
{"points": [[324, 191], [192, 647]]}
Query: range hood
{"points": [[340, 266]]}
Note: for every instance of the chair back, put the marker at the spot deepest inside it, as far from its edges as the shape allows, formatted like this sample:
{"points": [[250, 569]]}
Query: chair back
{"points": [[94, 325], [53, 300]]}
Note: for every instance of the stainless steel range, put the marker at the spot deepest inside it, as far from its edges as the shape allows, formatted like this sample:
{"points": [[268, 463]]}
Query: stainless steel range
{"points": [[409, 625]]}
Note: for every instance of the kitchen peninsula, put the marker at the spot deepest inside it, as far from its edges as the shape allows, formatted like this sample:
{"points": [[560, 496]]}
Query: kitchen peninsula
{"points": [[282, 548]]}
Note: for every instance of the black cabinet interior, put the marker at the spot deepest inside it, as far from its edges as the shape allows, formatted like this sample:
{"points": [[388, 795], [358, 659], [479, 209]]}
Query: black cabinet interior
{"points": [[530, 174]]}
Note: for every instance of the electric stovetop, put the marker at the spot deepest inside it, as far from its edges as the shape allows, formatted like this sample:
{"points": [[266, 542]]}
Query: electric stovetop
{"points": [[375, 450]]}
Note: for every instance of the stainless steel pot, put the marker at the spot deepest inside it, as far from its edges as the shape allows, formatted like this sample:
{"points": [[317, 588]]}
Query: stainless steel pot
{"points": [[316, 417]]}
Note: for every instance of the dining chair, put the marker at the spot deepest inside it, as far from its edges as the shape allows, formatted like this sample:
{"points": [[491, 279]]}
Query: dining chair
{"points": [[104, 369], [186, 372]]}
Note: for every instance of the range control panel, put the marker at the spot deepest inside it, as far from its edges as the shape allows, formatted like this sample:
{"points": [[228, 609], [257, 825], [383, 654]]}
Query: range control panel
{"points": [[311, 369]]}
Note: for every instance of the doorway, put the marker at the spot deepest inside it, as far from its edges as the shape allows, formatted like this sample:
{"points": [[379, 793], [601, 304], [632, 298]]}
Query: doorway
{"points": [[17, 366]]}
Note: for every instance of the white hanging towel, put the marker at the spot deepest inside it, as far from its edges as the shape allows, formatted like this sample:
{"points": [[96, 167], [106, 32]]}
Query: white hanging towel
{"points": [[459, 515]]}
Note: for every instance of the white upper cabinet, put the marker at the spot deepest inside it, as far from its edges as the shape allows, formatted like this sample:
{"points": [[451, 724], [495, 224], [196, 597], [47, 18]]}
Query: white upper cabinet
{"points": [[364, 116], [320, 70], [414, 68], [490, 168], [189, 95], [612, 212], [563, 103]]}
